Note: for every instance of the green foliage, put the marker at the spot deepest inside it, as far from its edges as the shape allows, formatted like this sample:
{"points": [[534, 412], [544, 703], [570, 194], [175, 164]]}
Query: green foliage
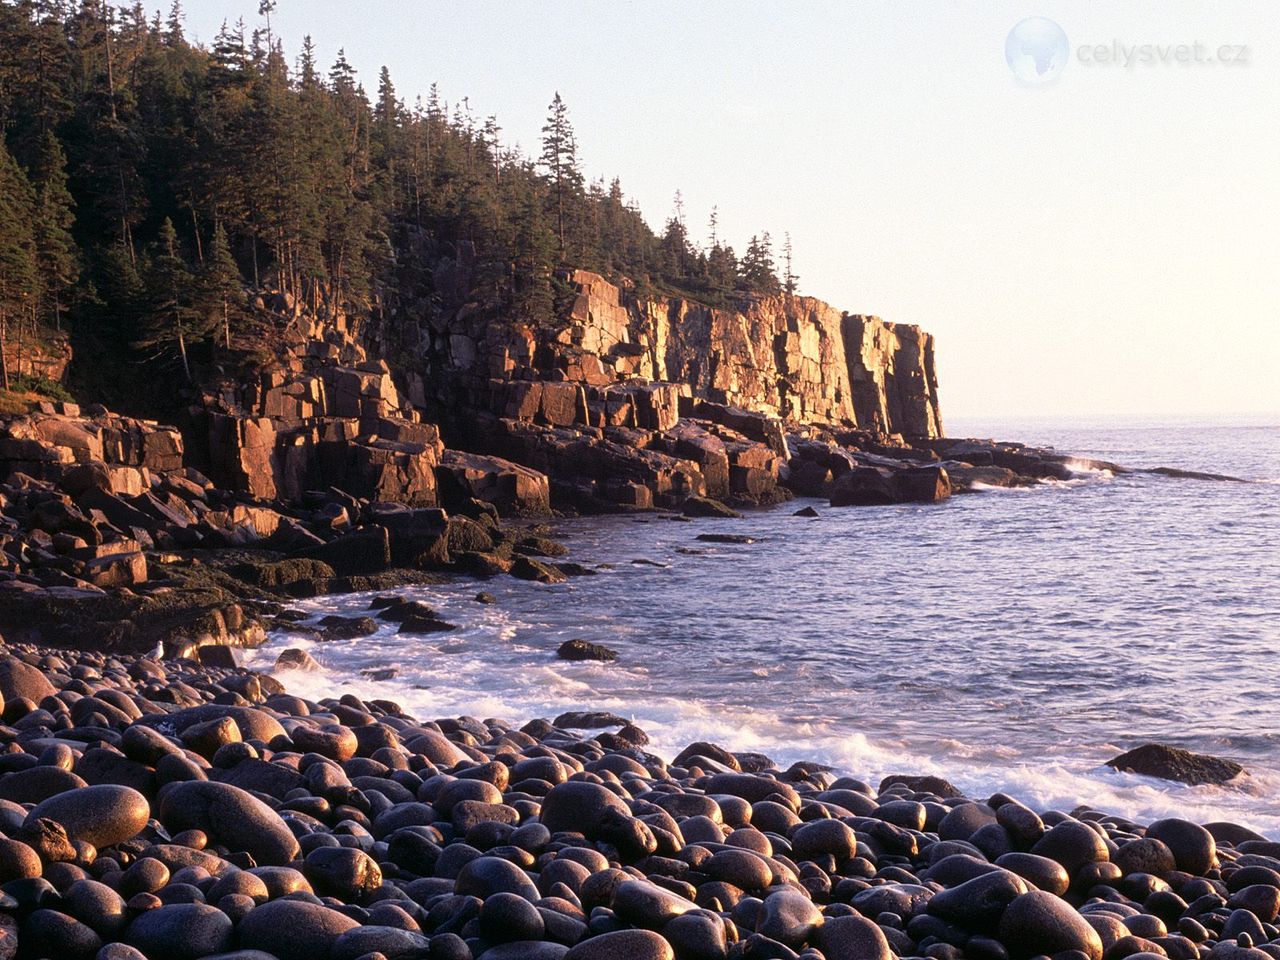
{"points": [[43, 386], [146, 181]]}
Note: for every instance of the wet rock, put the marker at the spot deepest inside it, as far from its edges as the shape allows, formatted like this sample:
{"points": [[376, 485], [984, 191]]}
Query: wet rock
{"points": [[585, 650], [631, 944], [1192, 846], [293, 929], [1172, 763], [1039, 923], [181, 931], [706, 507], [102, 815], [230, 816], [853, 938]]}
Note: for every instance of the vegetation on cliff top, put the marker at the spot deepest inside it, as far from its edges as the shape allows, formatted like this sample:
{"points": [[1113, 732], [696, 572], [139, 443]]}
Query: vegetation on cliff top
{"points": [[145, 182]]}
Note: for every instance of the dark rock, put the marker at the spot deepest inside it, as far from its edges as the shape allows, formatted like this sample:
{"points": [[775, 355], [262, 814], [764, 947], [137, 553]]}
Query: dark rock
{"points": [[1192, 846], [230, 816], [620, 944], [293, 929], [1038, 923], [102, 815], [853, 938], [181, 931], [585, 650], [1173, 763], [706, 507], [935, 785]]}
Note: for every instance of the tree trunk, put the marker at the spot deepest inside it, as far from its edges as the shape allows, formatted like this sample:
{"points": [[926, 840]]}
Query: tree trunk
{"points": [[4, 343]]}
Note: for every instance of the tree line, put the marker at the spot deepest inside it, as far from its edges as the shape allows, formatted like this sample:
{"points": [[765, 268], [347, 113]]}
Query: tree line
{"points": [[147, 182]]}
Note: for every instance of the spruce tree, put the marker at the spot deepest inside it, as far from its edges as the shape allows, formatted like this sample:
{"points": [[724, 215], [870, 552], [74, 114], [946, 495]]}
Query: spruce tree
{"points": [[58, 256], [218, 285], [171, 319], [19, 279], [560, 160]]}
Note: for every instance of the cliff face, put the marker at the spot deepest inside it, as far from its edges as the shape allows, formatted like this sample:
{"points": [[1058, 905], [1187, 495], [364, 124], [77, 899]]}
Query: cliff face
{"points": [[624, 400], [796, 358]]}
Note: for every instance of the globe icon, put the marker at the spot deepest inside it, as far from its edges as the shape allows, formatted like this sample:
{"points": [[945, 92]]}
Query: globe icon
{"points": [[1036, 50]]}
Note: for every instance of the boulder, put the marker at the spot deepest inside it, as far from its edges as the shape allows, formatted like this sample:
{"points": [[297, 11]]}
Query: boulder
{"points": [[1173, 763]]}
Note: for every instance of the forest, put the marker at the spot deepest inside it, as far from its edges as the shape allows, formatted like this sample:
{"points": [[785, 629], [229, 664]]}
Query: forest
{"points": [[150, 186]]}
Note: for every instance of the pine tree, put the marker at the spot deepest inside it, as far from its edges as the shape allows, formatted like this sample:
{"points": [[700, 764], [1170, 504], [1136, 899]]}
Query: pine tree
{"points": [[19, 279]]}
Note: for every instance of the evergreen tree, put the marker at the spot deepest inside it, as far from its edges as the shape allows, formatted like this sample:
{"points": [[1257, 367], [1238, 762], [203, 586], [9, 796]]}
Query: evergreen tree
{"points": [[756, 270], [789, 278], [171, 318], [560, 160], [19, 279], [218, 285], [58, 256]]}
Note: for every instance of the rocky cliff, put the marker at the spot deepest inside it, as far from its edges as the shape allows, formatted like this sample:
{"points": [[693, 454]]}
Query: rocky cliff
{"points": [[791, 357]]}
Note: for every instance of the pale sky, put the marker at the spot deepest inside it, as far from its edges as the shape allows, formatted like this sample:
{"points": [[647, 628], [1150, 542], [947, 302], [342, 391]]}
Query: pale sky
{"points": [[1103, 245]]}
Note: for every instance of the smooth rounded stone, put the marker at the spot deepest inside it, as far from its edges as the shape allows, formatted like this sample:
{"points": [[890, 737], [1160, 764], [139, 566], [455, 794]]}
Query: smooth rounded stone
{"points": [[1110, 929], [752, 788], [1072, 844], [1039, 871], [1023, 823], [965, 820], [1039, 923], [623, 945], [577, 806], [253, 724], [102, 815], [1144, 855], [17, 860], [523, 950], [293, 929], [242, 883], [1243, 921], [739, 867], [281, 881], [48, 933], [334, 741], [505, 917], [231, 817], [819, 837], [343, 872], [38, 783], [1192, 846], [853, 938], [787, 916], [903, 900], [181, 931], [19, 679], [96, 905], [978, 904], [648, 905], [1261, 899], [485, 876], [118, 951], [390, 942], [902, 813]]}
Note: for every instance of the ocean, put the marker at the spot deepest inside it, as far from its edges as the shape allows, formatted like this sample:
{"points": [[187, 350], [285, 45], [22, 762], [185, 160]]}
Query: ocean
{"points": [[1007, 640]]}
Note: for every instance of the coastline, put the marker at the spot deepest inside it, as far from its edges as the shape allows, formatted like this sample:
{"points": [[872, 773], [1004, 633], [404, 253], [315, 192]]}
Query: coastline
{"points": [[339, 827]]}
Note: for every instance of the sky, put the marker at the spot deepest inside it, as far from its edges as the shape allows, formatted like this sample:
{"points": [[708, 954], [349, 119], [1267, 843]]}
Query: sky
{"points": [[1105, 244]]}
